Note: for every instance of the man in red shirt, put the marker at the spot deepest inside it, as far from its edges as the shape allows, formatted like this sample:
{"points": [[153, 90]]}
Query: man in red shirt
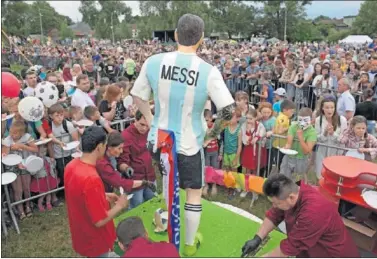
{"points": [[89, 214], [314, 226], [136, 161], [133, 239]]}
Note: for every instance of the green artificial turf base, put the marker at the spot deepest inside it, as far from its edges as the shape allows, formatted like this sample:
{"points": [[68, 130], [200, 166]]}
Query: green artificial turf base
{"points": [[224, 231]]}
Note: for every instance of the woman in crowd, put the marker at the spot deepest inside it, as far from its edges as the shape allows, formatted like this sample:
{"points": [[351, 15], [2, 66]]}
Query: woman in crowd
{"points": [[107, 166], [322, 82], [111, 107], [329, 125], [287, 78]]}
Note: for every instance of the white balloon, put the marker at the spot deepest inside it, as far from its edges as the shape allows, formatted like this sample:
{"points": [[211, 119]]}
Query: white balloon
{"points": [[47, 92], [31, 108]]}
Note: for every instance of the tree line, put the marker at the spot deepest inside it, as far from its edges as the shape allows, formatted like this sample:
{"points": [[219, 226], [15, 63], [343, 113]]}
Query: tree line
{"points": [[233, 17]]}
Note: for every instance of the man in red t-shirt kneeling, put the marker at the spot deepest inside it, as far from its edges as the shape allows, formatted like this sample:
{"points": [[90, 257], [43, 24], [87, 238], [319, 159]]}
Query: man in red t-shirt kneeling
{"points": [[89, 213], [133, 239]]}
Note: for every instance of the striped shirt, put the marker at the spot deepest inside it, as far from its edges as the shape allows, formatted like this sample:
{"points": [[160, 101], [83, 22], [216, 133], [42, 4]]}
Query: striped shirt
{"points": [[181, 84]]}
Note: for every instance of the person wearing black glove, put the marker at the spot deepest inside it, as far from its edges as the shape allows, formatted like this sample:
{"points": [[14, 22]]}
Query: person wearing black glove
{"points": [[251, 245], [314, 225]]}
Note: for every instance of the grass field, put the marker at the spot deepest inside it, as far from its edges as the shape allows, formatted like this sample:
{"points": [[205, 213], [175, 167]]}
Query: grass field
{"points": [[47, 234]]}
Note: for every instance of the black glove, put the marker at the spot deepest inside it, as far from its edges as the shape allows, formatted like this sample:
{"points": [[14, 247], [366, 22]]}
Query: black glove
{"points": [[251, 245], [128, 173], [150, 185]]}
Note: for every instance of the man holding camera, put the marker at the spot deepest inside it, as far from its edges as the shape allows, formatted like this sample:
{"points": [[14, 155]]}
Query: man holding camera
{"points": [[136, 162]]}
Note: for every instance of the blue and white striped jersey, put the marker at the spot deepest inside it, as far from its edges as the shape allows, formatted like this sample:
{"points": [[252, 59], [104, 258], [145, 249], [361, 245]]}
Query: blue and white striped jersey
{"points": [[181, 84]]}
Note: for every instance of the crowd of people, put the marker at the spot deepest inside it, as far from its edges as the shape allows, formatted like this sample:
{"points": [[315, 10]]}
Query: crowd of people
{"points": [[308, 97]]}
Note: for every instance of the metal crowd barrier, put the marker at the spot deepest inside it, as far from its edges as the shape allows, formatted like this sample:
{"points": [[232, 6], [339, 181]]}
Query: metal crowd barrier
{"points": [[339, 150], [48, 62], [120, 125], [12, 203]]}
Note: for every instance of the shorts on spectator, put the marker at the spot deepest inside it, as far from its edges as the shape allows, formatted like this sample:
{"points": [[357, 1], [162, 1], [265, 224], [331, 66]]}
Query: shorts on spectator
{"points": [[212, 159], [190, 168], [15, 169], [228, 161], [293, 167]]}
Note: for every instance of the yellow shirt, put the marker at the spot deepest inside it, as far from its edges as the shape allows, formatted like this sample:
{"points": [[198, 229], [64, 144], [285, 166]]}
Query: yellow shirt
{"points": [[281, 121]]}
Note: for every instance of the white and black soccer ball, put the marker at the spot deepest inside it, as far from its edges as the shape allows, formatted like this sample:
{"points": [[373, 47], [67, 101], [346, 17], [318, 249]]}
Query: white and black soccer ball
{"points": [[47, 92], [160, 220]]}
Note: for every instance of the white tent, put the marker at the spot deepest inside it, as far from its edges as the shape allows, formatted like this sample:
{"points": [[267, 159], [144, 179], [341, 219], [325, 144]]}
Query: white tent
{"points": [[356, 39]]}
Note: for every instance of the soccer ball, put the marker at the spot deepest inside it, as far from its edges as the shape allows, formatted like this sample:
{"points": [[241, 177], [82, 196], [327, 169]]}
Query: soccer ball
{"points": [[48, 93], [160, 220]]}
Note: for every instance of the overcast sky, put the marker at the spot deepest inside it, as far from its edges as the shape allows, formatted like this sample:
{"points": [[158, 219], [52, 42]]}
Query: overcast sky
{"points": [[333, 9]]}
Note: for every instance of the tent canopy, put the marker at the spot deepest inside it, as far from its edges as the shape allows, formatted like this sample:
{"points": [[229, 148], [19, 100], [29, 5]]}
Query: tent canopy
{"points": [[358, 39]]}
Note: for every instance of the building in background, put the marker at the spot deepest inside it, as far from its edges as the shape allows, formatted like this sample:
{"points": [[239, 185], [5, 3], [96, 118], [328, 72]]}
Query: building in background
{"points": [[81, 30]]}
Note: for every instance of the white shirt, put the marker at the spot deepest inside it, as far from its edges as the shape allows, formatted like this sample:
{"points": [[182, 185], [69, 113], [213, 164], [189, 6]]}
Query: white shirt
{"points": [[28, 91], [62, 135], [81, 99], [181, 84], [346, 102]]}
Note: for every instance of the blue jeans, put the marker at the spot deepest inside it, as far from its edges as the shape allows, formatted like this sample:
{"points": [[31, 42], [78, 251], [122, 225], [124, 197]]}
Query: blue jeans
{"points": [[141, 196]]}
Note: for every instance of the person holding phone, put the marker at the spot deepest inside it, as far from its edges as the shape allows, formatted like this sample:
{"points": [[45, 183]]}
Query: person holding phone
{"points": [[90, 216]]}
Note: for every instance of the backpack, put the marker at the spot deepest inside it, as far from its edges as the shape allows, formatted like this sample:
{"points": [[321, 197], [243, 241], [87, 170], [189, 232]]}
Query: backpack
{"points": [[27, 123], [65, 127]]}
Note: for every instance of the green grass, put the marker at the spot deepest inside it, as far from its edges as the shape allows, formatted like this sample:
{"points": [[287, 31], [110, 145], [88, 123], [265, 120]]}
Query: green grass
{"points": [[224, 232], [47, 234]]}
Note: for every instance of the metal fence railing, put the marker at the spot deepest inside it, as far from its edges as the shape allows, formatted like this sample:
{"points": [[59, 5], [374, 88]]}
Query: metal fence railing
{"points": [[41, 181], [120, 125]]}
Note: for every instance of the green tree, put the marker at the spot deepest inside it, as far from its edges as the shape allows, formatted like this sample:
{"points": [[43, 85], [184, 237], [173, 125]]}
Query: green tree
{"points": [[233, 17], [15, 18], [65, 31], [366, 22], [22, 19], [104, 17], [274, 17], [89, 12]]}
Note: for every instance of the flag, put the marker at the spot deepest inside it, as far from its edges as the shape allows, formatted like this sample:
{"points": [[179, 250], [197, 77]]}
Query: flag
{"points": [[168, 159]]}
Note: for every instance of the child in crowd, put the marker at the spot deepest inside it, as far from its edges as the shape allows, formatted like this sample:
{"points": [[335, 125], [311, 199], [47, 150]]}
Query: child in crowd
{"points": [[242, 101], [64, 131], [211, 152], [357, 137], [45, 180], [232, 144], [280, 95], [268, 121], [252, 132], [21, 143], [296, 166], [75, 115], [92, 114], [281, 128], [34, 128]]}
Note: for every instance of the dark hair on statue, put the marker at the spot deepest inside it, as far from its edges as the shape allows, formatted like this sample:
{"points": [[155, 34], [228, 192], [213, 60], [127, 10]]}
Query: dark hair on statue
{"points": [[92, 137], [279, 186]]}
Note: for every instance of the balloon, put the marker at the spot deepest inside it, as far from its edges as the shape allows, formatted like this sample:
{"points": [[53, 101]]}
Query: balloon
{"points": [[47, 92], [10, 86], [31, 108]]}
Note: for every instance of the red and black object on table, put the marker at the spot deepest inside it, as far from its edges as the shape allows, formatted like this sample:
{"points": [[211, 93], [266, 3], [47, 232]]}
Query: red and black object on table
{"points": [[344, 179]]}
